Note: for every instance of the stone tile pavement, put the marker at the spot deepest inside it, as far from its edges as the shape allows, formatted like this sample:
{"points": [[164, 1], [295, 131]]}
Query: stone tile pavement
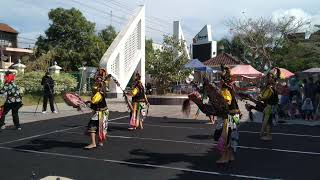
{"points": [[27, 113]]}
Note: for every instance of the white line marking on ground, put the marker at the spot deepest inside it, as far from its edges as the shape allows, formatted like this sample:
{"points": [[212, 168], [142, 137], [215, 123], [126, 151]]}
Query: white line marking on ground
{"points": [[284, 134], [251, 132], [52, 132], [208, 144], [152, 125], [137, 164], [119, 118], [39, 135]]}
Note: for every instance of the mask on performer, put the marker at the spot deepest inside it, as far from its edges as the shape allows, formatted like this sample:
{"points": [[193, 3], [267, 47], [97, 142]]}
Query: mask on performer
{"points": [[226, 75], [273, 75], [99, 80]]}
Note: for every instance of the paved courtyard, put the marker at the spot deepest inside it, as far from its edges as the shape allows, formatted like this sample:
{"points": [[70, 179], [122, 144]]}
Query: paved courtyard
{"points": [[170, 147]]}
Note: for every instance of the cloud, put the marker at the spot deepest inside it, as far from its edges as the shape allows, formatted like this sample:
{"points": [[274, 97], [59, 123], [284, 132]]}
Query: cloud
{"points": [[31, 19], [299, 14]]}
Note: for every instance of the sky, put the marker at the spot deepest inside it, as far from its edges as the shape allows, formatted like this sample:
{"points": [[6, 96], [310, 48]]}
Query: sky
{"points": [[30, 17]]}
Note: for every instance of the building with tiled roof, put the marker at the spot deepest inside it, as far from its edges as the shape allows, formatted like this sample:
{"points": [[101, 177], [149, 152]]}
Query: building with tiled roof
{"points": [[7, 28], [9, 51], [223, 58]]}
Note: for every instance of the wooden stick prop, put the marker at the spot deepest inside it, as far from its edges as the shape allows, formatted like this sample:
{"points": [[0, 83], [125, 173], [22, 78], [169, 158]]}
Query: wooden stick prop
{"points": [[126, 98]]}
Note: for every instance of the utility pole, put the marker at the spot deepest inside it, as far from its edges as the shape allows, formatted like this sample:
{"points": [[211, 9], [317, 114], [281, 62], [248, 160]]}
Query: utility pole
{"points": [[111, 18]]}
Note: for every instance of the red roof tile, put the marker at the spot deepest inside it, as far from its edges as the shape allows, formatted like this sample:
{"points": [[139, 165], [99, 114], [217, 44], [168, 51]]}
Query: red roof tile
{"points": [[7, 28], [222, 58]]}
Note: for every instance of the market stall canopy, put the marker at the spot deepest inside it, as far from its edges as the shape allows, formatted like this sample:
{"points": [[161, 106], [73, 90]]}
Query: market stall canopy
{"points": [[198, 66], [245, 70], [312, 70], [285, 74]]}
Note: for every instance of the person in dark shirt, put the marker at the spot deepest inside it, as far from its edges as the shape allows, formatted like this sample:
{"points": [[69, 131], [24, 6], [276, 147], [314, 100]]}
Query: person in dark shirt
{"points": [[48, 92], [13, 101], [310, 90]]}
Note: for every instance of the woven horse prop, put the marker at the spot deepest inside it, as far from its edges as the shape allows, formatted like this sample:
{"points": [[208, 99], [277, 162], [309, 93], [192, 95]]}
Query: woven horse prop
{"points": [[73, 99], [216, 106]]}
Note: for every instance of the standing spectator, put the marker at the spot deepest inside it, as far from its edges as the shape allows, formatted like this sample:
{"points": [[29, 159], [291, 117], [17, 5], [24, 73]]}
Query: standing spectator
{"points": [[310, 90], [307, 109], [149, 88], [13, 101], [294, 89], [48, 92], [284, 100]]}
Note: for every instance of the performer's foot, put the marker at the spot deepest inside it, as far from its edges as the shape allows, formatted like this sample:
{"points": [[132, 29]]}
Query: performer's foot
{"points": [[266, 138], [44, 112], [100, 144], [90, 146], [222, 161], [55, 112], [131, 128], [3, 127], [261, 134], [231, 158]]}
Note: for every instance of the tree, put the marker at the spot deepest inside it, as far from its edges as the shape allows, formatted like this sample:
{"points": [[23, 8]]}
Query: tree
{"points": [[72, 38], [150, 55], [168, 64], [262, 36], [233, 47], [108, 35], [297, 56]]}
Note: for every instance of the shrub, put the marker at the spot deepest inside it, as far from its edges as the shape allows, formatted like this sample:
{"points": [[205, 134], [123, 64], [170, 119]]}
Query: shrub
{"points": [[31, 82]]}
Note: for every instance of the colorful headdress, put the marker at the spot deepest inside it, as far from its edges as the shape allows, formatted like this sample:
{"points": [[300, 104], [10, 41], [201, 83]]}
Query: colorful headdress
{"points": [[275, 73], [100, 75], [138, 76], [226, 75]]}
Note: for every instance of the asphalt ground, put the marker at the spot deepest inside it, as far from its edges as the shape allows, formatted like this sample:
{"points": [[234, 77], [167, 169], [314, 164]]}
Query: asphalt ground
{"points": [[167, 148]]}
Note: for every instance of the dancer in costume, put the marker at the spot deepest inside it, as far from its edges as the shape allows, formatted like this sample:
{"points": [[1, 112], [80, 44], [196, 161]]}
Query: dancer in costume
{"points": [[13, 101], [99, 122], [140, 104], [229, 138], [270, 98]]}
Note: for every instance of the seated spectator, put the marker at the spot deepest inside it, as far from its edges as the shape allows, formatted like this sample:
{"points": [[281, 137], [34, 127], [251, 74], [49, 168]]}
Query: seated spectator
{"points": [[307, 109], [293, 111]]}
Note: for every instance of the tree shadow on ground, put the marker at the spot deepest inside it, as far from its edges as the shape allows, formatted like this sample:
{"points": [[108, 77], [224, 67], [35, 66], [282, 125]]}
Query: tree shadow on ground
{"points": [[202, 162], [45, 144], [201, 137]]}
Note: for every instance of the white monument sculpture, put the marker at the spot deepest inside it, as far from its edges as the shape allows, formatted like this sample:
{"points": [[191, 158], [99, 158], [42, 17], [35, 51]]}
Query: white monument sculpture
{"points": [[126, 54]]}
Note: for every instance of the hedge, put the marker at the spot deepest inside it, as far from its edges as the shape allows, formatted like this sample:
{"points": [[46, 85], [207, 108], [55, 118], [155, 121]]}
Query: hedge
{"points": [[31, 82]]}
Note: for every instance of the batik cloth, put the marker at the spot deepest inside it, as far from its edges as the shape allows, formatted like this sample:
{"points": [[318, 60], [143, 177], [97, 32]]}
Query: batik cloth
{"points": [[138, 113], [99, 124]]}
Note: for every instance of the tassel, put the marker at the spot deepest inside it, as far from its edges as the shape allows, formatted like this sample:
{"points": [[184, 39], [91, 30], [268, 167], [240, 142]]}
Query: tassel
{"points": [[186, 108]]}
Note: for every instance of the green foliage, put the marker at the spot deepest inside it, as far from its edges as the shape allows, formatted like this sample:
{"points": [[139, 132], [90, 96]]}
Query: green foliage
{"points": [[71, 40], [233, 47], [168, 64], [296, 56], [150, 55], [31, 82], [108, 35]]}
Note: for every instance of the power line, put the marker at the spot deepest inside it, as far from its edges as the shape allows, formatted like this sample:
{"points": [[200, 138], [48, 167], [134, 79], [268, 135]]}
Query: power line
{"points": [[122, 9], [120, 18]]}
